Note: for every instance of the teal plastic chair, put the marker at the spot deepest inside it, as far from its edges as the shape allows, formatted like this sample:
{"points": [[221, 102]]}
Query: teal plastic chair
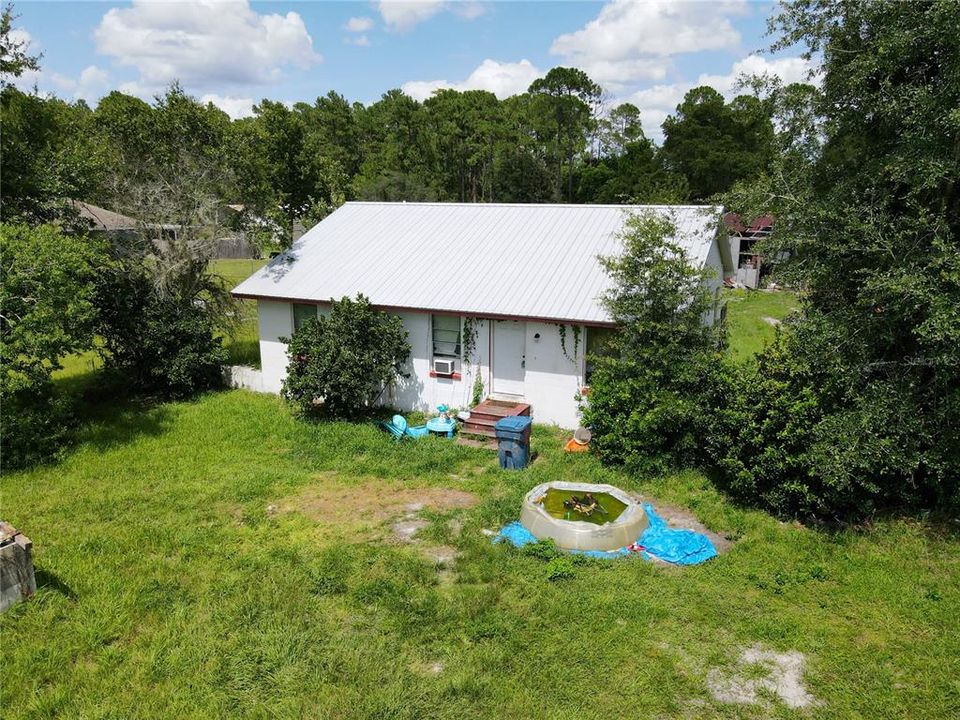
{"points": [[399, 429], [396, 427]]}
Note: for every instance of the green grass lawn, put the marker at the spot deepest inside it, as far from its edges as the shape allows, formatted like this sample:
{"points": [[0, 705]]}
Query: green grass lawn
{"points": [[243, 344], [749, 315], [218, 558]]}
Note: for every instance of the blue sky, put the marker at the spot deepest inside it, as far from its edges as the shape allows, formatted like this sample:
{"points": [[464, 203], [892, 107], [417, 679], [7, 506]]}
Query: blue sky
{"points": [[234, 53]]}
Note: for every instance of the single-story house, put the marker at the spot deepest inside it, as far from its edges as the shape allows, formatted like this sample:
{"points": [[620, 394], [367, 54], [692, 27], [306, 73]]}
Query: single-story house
{"points": [[505, 293]]}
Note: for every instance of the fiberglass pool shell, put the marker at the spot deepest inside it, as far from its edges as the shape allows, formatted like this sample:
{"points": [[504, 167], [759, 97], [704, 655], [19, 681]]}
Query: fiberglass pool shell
{"points": [[583, 534]]}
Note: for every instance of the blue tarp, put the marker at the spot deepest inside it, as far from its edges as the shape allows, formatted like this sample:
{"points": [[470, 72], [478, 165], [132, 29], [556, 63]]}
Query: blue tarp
{"points": [[681, 547], [515, 534]]}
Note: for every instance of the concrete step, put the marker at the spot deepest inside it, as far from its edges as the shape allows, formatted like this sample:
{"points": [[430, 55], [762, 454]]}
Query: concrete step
{"points": [[501, 408], [479, 418], [473, 429]]}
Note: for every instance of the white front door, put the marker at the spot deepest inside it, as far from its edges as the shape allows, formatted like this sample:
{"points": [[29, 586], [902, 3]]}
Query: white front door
{"points": [[509, 356]]}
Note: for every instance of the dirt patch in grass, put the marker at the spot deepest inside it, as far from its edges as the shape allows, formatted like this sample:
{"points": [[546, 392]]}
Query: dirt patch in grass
{"points": [[442, 555], [762, 672], [369, 502]]}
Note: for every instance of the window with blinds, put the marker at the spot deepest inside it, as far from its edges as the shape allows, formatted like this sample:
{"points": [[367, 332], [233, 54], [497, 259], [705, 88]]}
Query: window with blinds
{"points": [[446, 336]]}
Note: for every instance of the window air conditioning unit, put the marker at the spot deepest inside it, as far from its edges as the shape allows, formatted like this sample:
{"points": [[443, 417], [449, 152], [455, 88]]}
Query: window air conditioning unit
{"points": [[442, 366]]}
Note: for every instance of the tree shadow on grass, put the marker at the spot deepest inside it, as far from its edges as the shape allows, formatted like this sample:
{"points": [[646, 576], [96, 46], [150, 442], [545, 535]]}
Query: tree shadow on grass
{"points": [[936, 524], [98, 408], [47, 580], [122, 422]]}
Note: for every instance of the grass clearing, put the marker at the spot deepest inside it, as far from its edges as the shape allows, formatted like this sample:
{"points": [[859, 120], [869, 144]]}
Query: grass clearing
{"points": [[752, 317], [243, 345], [183, 571]]}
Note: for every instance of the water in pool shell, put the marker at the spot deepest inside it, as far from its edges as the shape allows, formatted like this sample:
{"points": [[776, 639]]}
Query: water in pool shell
{"points": [[609, 510]]}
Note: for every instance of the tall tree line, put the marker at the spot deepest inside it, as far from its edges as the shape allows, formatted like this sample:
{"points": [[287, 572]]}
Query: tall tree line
{"points": [[288, 165]]}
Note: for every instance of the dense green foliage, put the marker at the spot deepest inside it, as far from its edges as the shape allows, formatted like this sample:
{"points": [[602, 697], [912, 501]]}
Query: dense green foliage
{"points": [[47, 311], [287, 167], [713, 144], [858, 404], [162, 342], [148, 295], [188, 565], [646, 397], [49, 155], [47, 296], [342, 362], [14, 60], [855, 406]]}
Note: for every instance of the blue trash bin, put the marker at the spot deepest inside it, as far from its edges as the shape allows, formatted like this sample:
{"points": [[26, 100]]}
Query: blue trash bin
{"points": [[513, 441]]}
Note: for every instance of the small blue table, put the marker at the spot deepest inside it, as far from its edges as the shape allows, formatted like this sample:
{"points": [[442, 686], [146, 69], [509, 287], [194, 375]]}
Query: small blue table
{"points": [[442, 426]]}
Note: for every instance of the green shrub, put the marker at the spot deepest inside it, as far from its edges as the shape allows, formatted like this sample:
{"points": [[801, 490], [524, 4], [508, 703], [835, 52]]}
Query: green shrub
{"points": [[561, 568], [48, 311], [856, 408], [342, 363], [161, 342], [34, 426], [647, 390], [800, 435]]}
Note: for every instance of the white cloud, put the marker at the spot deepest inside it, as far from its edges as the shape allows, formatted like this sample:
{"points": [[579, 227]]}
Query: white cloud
{"points": [[468, 9], [659, 101], [204, 44], [134, 88], [359, 40], [92, 84], [403, 15], [359, 24], [788, 69], [630, 41], [29, 78], [502, 79], [19, 35], [235, 107]]}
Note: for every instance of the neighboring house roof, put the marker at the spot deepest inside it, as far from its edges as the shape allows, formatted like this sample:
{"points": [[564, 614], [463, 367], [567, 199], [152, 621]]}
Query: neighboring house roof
{"points": [[487, 260], [734, 223], [103, 219]]}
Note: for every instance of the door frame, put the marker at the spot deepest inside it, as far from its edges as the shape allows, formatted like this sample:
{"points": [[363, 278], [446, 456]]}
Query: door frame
{"points": [[493, 359]]}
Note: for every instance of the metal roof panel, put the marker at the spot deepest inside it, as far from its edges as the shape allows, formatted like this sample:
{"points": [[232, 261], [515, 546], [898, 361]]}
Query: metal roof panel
{"points": [[474, 258]]}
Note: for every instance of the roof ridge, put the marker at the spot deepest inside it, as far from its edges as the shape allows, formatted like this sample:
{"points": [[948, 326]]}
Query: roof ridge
{"points": [[579, 206]]}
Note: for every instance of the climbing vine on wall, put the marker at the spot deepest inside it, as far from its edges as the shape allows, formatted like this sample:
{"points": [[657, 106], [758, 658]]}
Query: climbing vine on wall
{"points": [[576, 341], [470, 336], [477, 389], [469, 339]]}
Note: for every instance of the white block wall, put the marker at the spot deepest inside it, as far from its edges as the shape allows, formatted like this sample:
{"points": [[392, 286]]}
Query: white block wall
{"points": [[550, 384], [421, 391], [552, 379], [276, 321]]}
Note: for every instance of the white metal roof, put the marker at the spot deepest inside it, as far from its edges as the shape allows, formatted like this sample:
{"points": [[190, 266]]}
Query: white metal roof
{"points": [[490, 260]]}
